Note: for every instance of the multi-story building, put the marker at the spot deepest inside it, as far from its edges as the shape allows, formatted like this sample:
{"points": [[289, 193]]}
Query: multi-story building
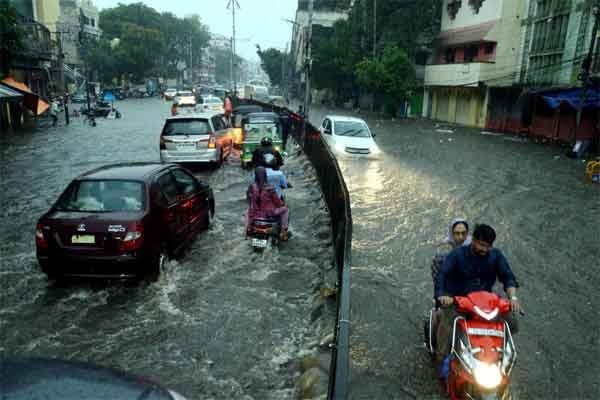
{"points": [[325, 14], [476, 50]]}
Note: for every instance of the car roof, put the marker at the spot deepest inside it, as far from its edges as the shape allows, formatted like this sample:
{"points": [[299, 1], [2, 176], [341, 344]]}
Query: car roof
{"points": [[138, 171], [199, 115], [262, 115], [344, 118]]}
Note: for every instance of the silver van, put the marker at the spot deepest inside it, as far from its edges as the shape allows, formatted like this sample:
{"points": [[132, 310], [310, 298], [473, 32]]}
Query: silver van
{"points": [[196, 138]]}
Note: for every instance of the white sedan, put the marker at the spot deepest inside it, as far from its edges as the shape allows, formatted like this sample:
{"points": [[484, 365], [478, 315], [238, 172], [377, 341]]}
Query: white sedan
{"points": [[348, 135]]}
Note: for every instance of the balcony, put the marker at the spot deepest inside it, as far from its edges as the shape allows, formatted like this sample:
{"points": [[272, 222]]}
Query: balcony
{"points": [[462, 74], [37, 42]]}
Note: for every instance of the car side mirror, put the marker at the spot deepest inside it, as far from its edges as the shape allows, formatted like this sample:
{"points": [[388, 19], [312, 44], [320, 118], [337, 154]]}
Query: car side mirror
{"points": [[327, 131]]}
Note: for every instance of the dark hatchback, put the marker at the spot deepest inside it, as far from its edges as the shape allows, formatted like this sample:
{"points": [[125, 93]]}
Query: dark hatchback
{"points": [[122, 221]]}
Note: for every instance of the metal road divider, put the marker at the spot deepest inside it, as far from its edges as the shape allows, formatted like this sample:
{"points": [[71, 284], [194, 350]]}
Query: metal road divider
{"points": [[337, 199]]}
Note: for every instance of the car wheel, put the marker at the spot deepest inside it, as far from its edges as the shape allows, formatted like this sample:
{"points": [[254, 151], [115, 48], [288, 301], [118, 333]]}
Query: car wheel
{"points": [[159, 264], [210, 216]]}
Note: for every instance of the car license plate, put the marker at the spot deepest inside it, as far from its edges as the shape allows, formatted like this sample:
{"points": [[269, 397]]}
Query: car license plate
{"points": [[186, 146], [83, 239], [259, 242]]}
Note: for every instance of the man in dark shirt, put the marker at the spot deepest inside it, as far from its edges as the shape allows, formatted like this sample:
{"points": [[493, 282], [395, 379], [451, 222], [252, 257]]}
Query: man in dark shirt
{"points": [[266, 147], [470, 269]]}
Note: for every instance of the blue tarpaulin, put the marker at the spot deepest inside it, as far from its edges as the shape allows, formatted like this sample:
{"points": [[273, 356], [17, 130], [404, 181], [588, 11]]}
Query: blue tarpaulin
{"points": [[572, 97], [108, 96]]}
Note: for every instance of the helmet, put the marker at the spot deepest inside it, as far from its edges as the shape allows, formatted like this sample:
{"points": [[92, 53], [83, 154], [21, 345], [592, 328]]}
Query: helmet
{"points": [[266, 141], [269, 159]]}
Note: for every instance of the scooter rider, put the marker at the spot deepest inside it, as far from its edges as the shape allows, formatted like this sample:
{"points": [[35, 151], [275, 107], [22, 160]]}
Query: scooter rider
{"points": [[266, 147], [469, 269], [275, 178]]}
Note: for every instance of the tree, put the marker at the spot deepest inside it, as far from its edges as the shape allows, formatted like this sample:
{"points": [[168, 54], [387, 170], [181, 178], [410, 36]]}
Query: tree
{"points": [[11, 36], [392, 75], [271, 62], [136, 52]]}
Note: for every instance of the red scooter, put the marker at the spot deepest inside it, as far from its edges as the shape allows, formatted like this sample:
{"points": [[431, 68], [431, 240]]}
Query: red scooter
{"points": [[483, 352]]}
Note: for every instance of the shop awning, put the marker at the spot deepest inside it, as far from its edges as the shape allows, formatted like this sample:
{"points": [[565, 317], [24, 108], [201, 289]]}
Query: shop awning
{"points": [[458, 36], [30, 99], [572, 97], [6, 93]]}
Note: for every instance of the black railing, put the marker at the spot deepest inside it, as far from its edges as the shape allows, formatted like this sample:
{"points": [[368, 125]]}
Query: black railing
{"points": [[337, 199]]}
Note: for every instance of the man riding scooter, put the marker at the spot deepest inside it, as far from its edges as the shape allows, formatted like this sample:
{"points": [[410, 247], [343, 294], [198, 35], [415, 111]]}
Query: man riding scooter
{"points": [[469, 269], [266, 147]]}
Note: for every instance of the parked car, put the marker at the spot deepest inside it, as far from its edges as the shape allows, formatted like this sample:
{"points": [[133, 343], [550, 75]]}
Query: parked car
{"points": [[211, 104], [170, 93], [198, 138], [122, 221], [348, 135], [50, 378]]}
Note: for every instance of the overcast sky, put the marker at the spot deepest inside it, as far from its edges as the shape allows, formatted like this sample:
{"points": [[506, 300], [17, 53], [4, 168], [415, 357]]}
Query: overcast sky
{"points": [[257, 21]]}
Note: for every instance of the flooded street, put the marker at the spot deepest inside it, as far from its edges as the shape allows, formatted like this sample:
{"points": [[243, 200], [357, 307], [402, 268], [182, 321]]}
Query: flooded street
{"points": [[547, 222], [223, 322]]}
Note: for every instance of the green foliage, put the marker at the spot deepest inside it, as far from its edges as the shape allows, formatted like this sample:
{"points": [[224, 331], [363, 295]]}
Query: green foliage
{"points": [[271, 60], [334, 59], [11, 35], [392, 75], [150, 43]]}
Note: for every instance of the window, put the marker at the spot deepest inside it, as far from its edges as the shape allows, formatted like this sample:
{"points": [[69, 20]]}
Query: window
{"points": [[351, 128], [186, 183], [218, 123], [471, 53], [182, 126], [449, 56], [168, 187], [103, 196], [453, 7], [489, 48]]}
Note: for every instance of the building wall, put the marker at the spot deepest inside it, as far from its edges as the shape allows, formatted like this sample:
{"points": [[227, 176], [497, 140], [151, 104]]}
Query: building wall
{"points": [[507, 34], [48, 12], [490, 10]]}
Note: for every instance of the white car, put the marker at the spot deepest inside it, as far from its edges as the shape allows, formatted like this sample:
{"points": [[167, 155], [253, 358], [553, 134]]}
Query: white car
{"points": [[170, 94], [185, 97], [211, 104], [348, 135]]}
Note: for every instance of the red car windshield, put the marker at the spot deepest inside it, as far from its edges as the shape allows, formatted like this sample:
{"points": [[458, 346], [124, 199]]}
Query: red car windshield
{"points": [[102, 196]]}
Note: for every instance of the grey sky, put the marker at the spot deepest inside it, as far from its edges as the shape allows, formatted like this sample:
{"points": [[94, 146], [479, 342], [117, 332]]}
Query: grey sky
{"points": [[257, 21]]}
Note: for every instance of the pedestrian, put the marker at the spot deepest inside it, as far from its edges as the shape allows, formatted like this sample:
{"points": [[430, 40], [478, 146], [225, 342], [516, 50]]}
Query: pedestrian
{"points": [[54, 112], [228, 108]]}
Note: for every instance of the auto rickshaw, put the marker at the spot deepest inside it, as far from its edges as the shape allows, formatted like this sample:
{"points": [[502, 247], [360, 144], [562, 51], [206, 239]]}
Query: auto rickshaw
{"points": [[256, 126]]}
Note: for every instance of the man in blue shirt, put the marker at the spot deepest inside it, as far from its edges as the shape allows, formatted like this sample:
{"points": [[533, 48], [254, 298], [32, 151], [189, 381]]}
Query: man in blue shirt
{"points": [[470, 269]]}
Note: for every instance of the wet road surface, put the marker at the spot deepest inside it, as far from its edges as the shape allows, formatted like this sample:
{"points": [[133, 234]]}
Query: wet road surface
{"points": [[547, 222], [223, 322]]}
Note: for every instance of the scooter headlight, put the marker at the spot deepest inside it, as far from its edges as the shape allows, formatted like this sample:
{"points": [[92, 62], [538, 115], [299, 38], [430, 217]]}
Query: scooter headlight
{"points": [[487, 375]]}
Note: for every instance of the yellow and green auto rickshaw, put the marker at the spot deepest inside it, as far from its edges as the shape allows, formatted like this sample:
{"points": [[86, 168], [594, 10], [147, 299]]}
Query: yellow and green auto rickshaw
{"points": [[256, 126]]}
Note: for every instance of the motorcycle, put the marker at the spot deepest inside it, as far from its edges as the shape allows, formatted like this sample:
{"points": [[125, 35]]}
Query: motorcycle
{"points": [[264, 231], [483, 353]]}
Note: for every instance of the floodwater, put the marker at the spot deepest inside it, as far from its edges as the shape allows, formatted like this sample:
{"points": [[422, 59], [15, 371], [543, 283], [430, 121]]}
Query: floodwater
{"points": [[222, 323], [548, 225]]}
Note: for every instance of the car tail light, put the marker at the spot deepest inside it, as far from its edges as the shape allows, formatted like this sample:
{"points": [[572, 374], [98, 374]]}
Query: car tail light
{"points": [[40, 241], [212, 142], [133, 238]]}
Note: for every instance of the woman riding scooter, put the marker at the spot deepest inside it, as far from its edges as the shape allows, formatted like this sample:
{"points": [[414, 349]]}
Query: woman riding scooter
{"points": [[263, 202]]}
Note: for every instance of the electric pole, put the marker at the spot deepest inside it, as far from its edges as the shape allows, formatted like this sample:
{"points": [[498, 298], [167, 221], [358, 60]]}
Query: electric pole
{"points": [[307, 64], [586, 65], [374, 28], [233, 4]]}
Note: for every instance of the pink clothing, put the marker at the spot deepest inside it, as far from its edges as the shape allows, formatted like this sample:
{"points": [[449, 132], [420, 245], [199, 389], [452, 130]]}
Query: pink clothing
{"points": [[266, 203]]}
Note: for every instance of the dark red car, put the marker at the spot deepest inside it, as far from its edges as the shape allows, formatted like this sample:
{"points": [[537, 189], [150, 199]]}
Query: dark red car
{"points": [[122, 221]]}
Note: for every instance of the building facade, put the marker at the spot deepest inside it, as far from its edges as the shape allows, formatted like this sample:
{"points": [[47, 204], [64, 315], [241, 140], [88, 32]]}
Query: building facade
{"points": [[477, 49]]}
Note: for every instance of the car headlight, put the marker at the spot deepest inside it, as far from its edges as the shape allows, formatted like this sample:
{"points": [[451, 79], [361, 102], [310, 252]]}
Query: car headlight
{"points": [[374, 148], [340, 147], [487, 375]]}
